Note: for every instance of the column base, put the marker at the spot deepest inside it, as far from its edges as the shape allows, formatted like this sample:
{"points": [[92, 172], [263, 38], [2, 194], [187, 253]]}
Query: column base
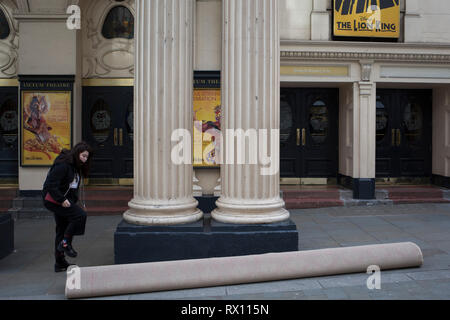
{"points": [[153, 213], [258, 212], [363, 189], [203, 239], [6, 235]]}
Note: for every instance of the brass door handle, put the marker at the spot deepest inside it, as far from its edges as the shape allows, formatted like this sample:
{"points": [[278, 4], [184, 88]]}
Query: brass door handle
{"points": [[303, 137], [298, 137], [115, 136], [393, 137], [121, 137], [399, 138]]}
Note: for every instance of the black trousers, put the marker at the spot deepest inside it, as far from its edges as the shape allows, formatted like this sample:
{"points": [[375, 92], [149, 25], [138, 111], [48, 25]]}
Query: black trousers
{"points": [[69, 221]]}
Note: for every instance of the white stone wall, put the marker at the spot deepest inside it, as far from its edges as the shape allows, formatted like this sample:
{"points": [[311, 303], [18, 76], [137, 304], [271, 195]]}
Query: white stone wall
{"points": [[424, 21], [436, 25], [208, 35], [105, 58], [9, 46], [47, 47], [295, 19], [421, 21]]}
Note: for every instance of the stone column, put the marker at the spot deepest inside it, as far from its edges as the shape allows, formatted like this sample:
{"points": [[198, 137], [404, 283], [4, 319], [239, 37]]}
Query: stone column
{"points": [[250, 99], [163, 103], [441, 136], [364, 134]]}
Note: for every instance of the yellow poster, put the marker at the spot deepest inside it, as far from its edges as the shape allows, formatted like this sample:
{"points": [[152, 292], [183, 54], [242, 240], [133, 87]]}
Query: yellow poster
{"points": [[367, 18], [46, 126], [207, 109]]}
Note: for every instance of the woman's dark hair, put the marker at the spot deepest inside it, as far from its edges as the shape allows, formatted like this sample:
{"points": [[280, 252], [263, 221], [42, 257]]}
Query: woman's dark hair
{"points": [[72, 157]]}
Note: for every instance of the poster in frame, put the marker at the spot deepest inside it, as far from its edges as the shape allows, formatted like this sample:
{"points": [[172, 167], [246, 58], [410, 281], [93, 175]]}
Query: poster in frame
{"points": [[207, 118], [46, 118], [370, 19]]}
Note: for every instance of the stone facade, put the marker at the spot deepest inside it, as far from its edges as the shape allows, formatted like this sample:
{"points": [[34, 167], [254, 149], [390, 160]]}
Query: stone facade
{"points": [[40, 43]]}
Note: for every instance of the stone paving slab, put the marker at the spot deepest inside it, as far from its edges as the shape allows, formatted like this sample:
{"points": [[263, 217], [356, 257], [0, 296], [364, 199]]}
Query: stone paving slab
{"points": [[28, 273], [274, 286], [429, 275]]}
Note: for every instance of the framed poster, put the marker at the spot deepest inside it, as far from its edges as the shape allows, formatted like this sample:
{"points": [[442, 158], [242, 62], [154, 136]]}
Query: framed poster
{"points": [[366, 18], [46, 105], [207, 113]]}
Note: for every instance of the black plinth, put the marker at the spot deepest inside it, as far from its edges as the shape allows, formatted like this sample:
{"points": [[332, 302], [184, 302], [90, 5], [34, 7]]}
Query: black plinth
{"points": [[363, 189], [204, 239], [6, 235]]}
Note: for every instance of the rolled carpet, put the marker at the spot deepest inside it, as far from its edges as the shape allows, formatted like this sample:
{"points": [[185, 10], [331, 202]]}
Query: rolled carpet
{"points": [[183, 274]]}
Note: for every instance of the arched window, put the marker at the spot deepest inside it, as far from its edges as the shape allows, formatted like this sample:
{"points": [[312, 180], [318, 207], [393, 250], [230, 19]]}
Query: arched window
{"points": [[119, 23], [4, 26]]}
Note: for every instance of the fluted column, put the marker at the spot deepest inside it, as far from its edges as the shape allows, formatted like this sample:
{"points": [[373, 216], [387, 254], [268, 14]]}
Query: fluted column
{"points": [[163, 103], [251, 99]]}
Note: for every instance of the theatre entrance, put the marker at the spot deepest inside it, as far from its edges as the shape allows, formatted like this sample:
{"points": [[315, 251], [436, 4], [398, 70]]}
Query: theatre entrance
{"points": [[9, 129], [108, 128], [404, 137], [309, 132]]}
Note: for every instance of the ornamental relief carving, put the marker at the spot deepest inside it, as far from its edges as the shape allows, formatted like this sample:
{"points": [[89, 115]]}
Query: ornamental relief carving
{"points": [[9, 45], [102, 57]]}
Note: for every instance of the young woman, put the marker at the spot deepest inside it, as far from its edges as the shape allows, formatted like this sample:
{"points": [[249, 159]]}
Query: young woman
{"points": [[60, 193]]}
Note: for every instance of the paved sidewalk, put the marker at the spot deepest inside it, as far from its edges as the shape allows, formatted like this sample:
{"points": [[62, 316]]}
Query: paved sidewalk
{"points": [[28, 272]]}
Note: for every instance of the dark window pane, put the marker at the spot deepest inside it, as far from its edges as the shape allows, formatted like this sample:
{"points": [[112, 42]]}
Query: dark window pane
{"points": [[382, 121], [413, 122], [9, 123], [101, 121], [130, 120], [4, 26], [318, 122], [119, 23], [286, 120]]}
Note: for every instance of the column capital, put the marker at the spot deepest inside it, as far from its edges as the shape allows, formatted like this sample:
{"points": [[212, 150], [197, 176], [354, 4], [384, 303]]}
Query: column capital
{"points": [[365, 88]]}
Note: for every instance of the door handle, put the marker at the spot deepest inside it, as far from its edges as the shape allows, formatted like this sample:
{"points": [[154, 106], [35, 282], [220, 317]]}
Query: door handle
{"points": [[393, 137], [303, 137], [298, 137], [399, 138], [115, 136], [121, 137]]}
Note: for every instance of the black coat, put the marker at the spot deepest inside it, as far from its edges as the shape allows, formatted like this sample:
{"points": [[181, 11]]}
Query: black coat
{"points": [[58, 181]]}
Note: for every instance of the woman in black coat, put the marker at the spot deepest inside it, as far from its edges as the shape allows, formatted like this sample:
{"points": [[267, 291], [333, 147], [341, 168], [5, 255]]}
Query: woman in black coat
{"points": [[61, 193]]}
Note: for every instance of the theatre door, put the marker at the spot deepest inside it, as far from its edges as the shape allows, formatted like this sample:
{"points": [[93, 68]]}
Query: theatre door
{"points": [[309, 132], [108, 128], [404, 139]]}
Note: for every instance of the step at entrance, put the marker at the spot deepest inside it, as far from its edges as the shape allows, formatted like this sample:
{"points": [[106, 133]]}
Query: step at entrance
{"points": [[417, 194], [105, 201], [305, 197], [7, 196]]}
